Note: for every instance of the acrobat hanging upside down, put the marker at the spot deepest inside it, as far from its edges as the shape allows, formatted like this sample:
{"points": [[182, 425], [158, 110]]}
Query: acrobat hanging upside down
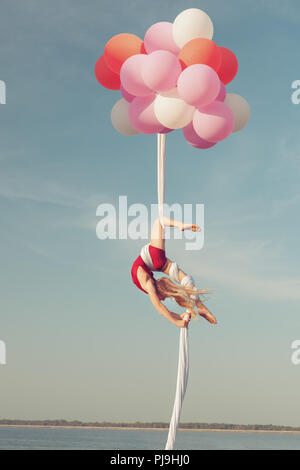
{"points": [[179, 285]]}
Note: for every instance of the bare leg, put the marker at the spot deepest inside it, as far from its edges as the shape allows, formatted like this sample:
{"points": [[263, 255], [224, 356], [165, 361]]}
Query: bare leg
{"points": [[157, 240], [157, 234], [202, 309], [205, 313], [166, 270]]}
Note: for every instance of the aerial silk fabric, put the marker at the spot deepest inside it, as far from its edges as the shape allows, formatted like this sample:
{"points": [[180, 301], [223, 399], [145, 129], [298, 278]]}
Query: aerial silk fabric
{"points": [[182, 380], [146, 257], [183, 361], [182, 373], [161, 157]]}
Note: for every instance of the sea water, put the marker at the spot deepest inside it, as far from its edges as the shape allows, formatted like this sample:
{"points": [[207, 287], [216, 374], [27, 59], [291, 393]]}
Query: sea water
{"points": [[115, 439]]}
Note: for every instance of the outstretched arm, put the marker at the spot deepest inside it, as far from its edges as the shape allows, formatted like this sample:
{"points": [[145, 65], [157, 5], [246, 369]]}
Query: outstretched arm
{"points": [[162, 310], [157, 233]]}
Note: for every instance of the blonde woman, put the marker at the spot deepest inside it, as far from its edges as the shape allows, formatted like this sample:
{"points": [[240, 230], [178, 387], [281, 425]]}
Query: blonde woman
{"points": [[179, 285]]}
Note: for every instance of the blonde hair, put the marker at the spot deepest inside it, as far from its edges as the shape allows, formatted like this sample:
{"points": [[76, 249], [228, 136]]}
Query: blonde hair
{"points": [[181, 294]]}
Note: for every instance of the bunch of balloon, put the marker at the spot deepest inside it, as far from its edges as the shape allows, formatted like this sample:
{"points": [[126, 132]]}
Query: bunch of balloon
{"points": [[175, 78]]}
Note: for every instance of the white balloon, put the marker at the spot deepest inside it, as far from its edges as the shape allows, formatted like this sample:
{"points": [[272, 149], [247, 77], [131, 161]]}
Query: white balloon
{"points": [[120, 119], [240, 108], [190, 24], [172, 111]]}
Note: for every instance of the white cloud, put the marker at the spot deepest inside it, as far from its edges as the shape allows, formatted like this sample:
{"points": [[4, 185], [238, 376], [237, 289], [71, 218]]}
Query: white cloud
{"points": [[253, 269], [253, 285], [48, 196], [47, 192]]}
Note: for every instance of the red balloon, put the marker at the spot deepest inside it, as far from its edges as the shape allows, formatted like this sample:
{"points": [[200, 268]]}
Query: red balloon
{"points": [[106, 76], [229, 65], [200, 51], [119, 48], [143, 50]]}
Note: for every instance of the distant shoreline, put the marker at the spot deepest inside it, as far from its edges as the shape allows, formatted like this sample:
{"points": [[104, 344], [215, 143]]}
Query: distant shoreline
{"points": [[131, 428]]}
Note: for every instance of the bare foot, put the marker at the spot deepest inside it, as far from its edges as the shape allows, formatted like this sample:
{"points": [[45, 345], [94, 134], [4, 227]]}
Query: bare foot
{"points": [[205, 313], [193, 227], [209, 317]]}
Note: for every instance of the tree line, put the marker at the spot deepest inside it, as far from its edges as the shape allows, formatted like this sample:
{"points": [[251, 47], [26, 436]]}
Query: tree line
{"points": [[154, 425]]}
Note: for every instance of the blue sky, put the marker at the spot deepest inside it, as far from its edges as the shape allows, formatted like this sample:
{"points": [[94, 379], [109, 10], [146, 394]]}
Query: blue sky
{"points": [[82, 341]]}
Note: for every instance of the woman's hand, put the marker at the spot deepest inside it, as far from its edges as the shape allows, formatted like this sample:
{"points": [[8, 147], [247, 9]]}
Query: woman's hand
{"points": [[182, 323], [193, 227], [162, 310]]}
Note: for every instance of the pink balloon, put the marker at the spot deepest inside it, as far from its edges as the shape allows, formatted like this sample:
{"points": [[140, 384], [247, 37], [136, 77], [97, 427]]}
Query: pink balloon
{"points": [[142, 117], [198, 85], [213, 122], [193, 139], [131, 76], [222, 95], [166, 130], [160, 36], [161, 71], [127, 96]]}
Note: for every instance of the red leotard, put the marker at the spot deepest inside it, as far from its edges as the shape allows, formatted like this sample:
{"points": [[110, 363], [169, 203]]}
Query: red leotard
{"points": [[139, 262], [159, 259]]}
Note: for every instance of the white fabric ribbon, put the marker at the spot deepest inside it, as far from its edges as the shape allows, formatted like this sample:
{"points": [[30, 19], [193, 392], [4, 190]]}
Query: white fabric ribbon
{"points": [[183, 362], [145, 254], [173, 272], [161, 157], [188, 281], [182, 380]]}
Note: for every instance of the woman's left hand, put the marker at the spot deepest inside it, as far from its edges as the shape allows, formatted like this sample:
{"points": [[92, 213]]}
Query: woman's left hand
{"points": [[186, 320], [193, 227]]}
